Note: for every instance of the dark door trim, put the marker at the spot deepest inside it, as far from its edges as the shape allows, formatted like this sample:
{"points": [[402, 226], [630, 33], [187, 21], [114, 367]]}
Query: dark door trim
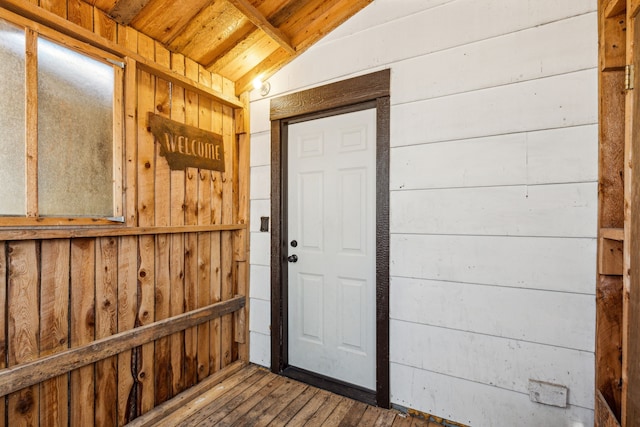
{"points": [[369, 91]]}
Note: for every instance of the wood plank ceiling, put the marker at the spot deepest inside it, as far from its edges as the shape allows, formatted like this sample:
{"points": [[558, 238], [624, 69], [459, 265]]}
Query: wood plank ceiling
{"points": [[238, 39]]}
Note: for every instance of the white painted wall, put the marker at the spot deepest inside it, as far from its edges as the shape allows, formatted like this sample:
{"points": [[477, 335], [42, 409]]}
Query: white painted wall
{"points": [[493, 203]]}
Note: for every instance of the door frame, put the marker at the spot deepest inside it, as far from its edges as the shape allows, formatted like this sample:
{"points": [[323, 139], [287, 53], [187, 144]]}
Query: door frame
{"points": [[355, 94]]}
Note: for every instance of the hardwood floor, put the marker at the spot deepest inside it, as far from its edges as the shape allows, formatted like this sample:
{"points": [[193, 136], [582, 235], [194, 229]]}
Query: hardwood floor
{"points": [[253, 396]]}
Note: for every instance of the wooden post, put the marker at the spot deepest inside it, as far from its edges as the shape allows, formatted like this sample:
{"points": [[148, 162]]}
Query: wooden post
{"points": [[631, 278], [228, 197], [611, 199], [240, 240]]}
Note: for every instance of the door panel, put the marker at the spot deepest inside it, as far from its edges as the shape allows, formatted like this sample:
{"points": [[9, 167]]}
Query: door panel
{"points": [[331, 216]]}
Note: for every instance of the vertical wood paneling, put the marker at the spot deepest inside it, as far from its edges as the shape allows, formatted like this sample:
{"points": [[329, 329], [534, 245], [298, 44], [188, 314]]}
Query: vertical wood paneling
{"points": [[23, 327], [80, 13], [177, 240], [191, 240], [162, 218], [204, 239], [54, 324], [104, 26], [83, 314], [127, 310], [106, 325], [146, 217], [55, 6]]}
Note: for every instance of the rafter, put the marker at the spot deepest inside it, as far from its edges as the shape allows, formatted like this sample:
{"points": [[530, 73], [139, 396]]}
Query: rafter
{"points": [[261, 22]]}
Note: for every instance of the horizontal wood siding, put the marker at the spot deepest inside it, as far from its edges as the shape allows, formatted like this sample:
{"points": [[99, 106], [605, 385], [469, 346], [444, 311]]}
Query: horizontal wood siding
{"points": [[65, 288], [494, 168]]}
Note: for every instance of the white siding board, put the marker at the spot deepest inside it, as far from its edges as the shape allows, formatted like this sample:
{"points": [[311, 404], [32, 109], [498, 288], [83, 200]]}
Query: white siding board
{"points": [[259, 121], [496, 160], [552, 318], [563, 155], [260, 319], [260, 149], [524, 55], [523, 262], [548, 103], [501, 362], [380, 13], [260, 248], [477, 404], [260, 182], [542, 157], [260, 349], [260, 282], [564, 210]]}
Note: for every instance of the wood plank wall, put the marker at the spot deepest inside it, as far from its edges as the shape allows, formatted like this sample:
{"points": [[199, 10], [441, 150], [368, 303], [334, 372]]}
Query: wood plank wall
{"points": [[61, 293]]}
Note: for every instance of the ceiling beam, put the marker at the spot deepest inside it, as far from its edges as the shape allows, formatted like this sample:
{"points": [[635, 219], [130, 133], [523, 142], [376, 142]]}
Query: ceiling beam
{"points": [[125, 10], [261, 22]]}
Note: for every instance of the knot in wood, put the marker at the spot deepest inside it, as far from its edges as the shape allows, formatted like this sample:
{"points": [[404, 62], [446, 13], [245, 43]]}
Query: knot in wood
{"points": [[25, 403], [91, 317]]}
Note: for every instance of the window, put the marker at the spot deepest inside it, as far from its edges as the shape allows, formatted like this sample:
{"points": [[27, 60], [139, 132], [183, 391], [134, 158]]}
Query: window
{"points": [[60, 136]]}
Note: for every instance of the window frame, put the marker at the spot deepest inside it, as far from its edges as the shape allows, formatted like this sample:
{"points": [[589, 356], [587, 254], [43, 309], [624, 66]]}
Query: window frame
{"points": [[33, 31]]}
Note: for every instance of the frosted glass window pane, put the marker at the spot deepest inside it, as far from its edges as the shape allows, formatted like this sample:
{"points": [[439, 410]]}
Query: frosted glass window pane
{"points": [[75, 133], [12, 121]]}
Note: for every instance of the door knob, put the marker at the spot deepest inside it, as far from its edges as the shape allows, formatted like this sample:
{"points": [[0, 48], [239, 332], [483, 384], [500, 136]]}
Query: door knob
{"points": [[293, 258]]}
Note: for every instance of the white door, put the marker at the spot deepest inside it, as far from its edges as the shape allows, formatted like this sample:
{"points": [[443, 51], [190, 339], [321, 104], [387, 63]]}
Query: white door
{"points": [[331, 230]]}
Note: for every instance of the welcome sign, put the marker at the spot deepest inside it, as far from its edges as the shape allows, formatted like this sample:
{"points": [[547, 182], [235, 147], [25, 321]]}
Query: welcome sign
{"points": [[186, 146]]}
